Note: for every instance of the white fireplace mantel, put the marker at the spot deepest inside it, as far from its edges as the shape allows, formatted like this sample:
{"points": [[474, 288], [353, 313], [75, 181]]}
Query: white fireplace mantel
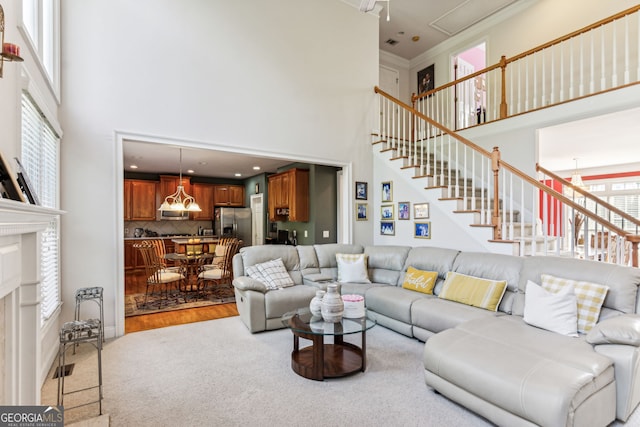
{"points": [[20, 247]]}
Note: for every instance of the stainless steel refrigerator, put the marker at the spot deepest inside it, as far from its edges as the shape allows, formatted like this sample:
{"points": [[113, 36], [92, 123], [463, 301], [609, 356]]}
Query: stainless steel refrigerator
{"points": [[233, 222]]}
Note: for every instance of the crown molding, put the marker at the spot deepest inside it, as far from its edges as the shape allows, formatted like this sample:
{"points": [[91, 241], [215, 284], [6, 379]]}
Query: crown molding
{"points": [[394, 59]]}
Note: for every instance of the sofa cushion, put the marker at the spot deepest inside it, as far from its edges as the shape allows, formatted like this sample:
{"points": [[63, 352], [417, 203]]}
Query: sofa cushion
{"points": [[623, 330], [288, 299], [622, 281], [386, 263], [590, 298], [419, 280], [473, 291], [352, 268], [326, 255], [555, 312], [274, 274], [532, 373], [252, 255], [435, 314], [392, 301]]}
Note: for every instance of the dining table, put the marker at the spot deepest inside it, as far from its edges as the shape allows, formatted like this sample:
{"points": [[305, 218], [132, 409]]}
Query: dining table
{"points": [[191, 265]]}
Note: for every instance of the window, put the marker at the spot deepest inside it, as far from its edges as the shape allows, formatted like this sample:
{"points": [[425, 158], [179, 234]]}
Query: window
{"points": [[40, 161], [41, 27], [624, 194]]}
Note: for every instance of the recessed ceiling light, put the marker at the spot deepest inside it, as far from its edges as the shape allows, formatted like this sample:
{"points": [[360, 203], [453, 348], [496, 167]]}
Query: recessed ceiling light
{"points": [[256, 168], [190, 171], [238, 174], [133, 166]]}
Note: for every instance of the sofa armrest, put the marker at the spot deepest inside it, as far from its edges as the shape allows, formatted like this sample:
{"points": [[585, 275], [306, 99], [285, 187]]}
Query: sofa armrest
{"points": [[246, 283], [624, 329]]}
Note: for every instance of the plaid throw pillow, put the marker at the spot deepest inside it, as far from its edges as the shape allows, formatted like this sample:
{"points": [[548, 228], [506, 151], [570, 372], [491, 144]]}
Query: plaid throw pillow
{"points": [[275, 274], [253, 272], [590, 298]]}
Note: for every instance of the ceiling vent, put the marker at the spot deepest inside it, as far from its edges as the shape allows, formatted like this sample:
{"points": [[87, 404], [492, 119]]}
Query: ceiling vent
{"points": [[392, 42]]}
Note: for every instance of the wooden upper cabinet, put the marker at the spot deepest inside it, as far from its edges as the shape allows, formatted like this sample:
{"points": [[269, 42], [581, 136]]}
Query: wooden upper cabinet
{"points": [[289, 196], [139, 200], [228, 195], [203, 193]]}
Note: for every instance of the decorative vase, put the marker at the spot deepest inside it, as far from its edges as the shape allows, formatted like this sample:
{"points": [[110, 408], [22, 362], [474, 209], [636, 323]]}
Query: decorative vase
{"points": [[332, 305], [315, 306]]}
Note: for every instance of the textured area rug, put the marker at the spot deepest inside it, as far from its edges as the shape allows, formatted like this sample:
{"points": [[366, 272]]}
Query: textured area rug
{"points": [[134, 305]]}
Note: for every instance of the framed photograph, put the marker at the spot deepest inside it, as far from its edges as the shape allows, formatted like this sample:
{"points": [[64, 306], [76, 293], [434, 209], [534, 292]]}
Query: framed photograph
{"points": [[361, 190], [387, 191], [426, 79], [388, 228], [361, 211], [421, 211], [25, 185], [403, 210], [422, 230], [10, 188], [386, 212]]}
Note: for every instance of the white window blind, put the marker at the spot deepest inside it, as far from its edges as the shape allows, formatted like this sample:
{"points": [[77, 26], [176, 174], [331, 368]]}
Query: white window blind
{"points": [[40, 162]]}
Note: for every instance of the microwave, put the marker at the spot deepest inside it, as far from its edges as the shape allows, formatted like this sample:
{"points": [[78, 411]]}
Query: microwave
{"points": [[173, 215]]}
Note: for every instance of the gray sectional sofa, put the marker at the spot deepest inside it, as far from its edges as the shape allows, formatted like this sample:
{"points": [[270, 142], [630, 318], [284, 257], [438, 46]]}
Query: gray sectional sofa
{"points": [[490, 362]]}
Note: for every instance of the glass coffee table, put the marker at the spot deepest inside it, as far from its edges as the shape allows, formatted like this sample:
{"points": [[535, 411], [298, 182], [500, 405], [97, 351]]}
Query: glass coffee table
{"points": [[326, 360]]}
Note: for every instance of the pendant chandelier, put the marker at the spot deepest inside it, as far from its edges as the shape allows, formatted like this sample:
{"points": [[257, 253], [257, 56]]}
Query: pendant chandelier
{"points": [[180, 201], [576, 178]]}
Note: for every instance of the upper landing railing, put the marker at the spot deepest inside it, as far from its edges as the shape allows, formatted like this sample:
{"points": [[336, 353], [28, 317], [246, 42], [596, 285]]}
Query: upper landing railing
{"points": [[595, 59]]}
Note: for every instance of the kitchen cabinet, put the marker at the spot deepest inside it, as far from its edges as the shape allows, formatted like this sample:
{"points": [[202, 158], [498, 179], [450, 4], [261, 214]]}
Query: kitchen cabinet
{"points": [[204, 195], [132, 256], [139, 200], [289, 196], [228, 195]]}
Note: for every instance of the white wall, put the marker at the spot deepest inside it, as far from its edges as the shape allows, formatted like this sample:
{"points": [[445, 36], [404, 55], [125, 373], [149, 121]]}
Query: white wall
{"points": [[284, 76]]}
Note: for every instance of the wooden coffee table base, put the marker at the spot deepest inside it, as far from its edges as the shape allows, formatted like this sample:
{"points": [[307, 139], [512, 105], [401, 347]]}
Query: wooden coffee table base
{"points": [[319, 360]]}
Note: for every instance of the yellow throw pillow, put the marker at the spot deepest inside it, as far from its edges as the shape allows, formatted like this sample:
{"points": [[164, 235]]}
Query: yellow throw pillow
{"points": [[590, 298], [473, 291], [420, 280]]}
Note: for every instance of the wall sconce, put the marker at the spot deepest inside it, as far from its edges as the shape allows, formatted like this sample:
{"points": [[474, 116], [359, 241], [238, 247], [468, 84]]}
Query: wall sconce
{"points": [[10, 51]]}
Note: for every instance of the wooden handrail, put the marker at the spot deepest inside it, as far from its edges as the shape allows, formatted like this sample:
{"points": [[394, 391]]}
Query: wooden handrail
{"points": [[612, 227], [575, 33], [588, 195], [505, 61]]}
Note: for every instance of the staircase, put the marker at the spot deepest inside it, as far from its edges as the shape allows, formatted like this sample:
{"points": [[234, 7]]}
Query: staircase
{"points": [[521, 214]]}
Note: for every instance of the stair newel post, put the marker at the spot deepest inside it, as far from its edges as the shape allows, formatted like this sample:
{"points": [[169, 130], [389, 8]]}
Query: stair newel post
{"points": [[503, 95], [634, 239], [495, 215]]}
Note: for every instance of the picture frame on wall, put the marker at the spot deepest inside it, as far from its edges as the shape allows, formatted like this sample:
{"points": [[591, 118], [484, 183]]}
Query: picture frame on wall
{"points": [[361, 211], [422, 230], [404, 212], [388, 228], [387, 191], [386, 212], [421, 211], [426, 79], [361, 190]]}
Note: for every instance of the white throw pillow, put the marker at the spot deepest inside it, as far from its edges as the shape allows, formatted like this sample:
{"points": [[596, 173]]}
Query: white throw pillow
{"points": [[253, 272], [352, 268], [555, 312], [275, 274]]}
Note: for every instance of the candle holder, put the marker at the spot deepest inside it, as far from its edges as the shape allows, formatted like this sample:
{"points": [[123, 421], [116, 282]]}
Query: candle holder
{"points": [[10, 51]]}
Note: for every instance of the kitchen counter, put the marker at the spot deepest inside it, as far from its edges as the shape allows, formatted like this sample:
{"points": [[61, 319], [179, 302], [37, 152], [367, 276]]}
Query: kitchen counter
{"points": [[194, 240], [181, 237]]}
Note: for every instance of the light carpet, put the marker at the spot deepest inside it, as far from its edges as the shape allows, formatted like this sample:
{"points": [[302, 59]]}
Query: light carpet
{"points": [[217, 373]]}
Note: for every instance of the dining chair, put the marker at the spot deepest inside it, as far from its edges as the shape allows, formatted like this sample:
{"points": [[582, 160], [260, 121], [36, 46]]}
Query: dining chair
{"points": [[223, 273], [219, 253], [159, 278], [161, 251]]}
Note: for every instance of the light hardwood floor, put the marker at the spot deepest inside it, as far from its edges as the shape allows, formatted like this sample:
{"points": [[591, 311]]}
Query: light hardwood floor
{"points": [[134, 283]]}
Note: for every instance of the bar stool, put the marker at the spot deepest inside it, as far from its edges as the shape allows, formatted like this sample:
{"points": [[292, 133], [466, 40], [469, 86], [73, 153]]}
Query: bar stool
{"points": [[72, 334], [90, 294]]}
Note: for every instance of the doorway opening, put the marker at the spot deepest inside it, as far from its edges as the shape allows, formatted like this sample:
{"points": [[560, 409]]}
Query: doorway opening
{"points": [[471, 94]]}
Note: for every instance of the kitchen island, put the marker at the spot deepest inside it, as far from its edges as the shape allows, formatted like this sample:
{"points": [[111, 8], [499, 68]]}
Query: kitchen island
{"points": [[190, 244]]}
